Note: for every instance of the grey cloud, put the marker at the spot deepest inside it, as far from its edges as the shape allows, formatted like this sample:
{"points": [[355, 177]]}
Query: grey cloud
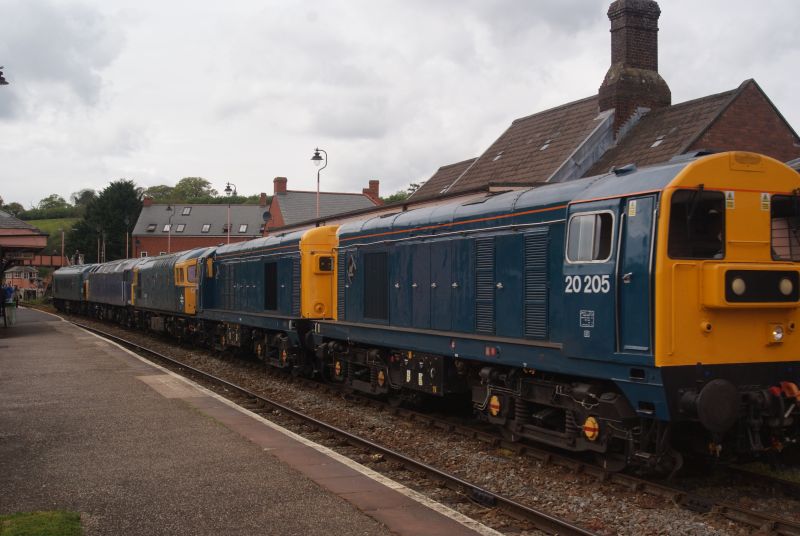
{"points": [[47, 45]]}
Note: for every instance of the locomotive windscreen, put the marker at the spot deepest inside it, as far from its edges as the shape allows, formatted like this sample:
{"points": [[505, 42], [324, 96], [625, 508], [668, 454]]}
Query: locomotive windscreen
{"points": [[785, 227], [697, 225]]}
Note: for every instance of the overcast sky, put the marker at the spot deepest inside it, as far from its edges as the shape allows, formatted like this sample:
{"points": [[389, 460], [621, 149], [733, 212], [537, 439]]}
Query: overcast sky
{"points": [[243, 91]]}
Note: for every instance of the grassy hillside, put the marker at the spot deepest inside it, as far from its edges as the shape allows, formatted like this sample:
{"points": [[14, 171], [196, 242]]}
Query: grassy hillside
{"points": [[52, 228]]}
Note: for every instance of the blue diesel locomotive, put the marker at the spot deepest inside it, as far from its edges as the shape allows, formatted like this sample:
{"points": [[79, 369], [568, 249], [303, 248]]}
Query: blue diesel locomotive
{"points": [[636, 315]]}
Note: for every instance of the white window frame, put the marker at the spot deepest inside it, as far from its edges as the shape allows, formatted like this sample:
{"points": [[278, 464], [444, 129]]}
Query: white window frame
{"points": [[166, 228], [569, 232], [143, 254], [186, 211], [162, 252], [180, 227], [243, 228]]}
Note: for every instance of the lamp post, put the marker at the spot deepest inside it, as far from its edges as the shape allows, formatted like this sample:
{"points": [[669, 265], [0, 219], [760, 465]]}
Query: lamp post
{"points": [[62, 245], [169, 228], [127, 221], [317, 159], [228, 191]]}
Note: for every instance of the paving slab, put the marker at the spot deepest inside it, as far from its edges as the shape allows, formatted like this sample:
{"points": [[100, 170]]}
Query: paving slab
{"points": [[86, 426]]}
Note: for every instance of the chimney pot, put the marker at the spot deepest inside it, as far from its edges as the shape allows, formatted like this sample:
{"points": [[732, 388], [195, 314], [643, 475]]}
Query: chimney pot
{"points": [[279, 184]]}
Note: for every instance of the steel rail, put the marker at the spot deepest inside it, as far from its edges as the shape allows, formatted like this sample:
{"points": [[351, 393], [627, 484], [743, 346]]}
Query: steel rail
{"points": [[541, 520]]}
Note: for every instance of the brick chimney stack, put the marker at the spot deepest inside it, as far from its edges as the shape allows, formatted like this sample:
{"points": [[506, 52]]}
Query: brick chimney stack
{"points": [[147, 201], [373, 192], [279, 184], [633, 81], [262, 200]]}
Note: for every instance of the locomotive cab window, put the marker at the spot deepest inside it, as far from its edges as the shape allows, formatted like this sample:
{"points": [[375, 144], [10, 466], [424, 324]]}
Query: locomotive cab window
{"points": [[589, 237], [785, 227], [697, 225]]}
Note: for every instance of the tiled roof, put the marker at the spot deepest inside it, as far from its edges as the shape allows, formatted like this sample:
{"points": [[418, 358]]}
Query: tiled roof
{"points": [[664, 133], [299, 206], [7, 221], [215, 215], [444, 177], [533, 147]]}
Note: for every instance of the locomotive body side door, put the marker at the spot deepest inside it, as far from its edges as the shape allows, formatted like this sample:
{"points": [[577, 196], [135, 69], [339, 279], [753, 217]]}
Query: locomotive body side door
{"points": [[588, 286], [634, 281]]}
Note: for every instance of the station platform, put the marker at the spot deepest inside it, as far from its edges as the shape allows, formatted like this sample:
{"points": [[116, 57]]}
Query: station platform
{"points": [[87, 426]]}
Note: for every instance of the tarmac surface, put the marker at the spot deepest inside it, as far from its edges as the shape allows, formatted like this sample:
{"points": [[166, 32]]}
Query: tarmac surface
{"points": [[86, 426]]}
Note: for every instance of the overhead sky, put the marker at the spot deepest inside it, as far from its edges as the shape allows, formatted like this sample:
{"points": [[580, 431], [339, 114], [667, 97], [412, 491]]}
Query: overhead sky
{"points": [[244, 91]]}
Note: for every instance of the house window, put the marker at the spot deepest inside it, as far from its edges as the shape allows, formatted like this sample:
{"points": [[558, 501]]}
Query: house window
{"points": [[206, 228], [162, 252], [589, 237], [180, 227], [166, 228], [243, 228], [143, 254], [186, 211], [151, 227], [226, 228]]}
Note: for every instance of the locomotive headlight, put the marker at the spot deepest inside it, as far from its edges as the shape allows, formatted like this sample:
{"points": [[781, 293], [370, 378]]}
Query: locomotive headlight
{"points": [[786, 286], [738, 286], [776, 333]]}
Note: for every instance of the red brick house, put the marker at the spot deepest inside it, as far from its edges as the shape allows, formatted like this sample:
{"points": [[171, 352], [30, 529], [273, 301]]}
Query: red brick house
{"points": [[290, 207], [186, 226], [631, 120], [18, 240]]}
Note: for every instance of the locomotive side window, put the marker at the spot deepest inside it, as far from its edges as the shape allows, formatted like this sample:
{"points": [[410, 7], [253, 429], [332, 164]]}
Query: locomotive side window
{"points": [[589, 237], [785, 227], [271, 286], [376, 286], [697, 225]]}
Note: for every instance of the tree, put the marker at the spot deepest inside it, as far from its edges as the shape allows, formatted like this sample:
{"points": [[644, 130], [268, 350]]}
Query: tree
{"points": [[105, 219], [52, 201], [161, 193], [82, 198], [402, 195], [191, 189], [14, 208]]}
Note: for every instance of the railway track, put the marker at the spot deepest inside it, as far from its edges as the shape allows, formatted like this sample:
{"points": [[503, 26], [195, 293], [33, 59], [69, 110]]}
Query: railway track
{"points": [[761, 521], [471, 492]]}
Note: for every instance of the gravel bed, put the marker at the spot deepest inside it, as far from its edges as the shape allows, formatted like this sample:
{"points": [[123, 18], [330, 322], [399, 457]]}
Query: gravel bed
{"points": [[600, 507]]}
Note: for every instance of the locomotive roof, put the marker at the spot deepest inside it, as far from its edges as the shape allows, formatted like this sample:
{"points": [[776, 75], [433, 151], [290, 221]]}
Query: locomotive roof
{"points": [[117, 266], [261, 244], [172, 258], [550, 196], [74, 269]]}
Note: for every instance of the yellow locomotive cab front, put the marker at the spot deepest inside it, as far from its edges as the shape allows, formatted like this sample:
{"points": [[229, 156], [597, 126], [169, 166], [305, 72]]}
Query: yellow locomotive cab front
{"points": [[727, 277]]}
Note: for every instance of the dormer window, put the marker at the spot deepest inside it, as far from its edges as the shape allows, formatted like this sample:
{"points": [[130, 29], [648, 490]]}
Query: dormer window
{"points": [[658, 141], [186, 211], [180, 227], [166, 228], [151, 227], [243, 228]]}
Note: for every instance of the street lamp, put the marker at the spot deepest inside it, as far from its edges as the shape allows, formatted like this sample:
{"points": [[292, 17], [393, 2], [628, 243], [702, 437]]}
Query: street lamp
{"points": [[228, 192], [127, 221], [317, 159], [62, 245], [169, 228]]}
